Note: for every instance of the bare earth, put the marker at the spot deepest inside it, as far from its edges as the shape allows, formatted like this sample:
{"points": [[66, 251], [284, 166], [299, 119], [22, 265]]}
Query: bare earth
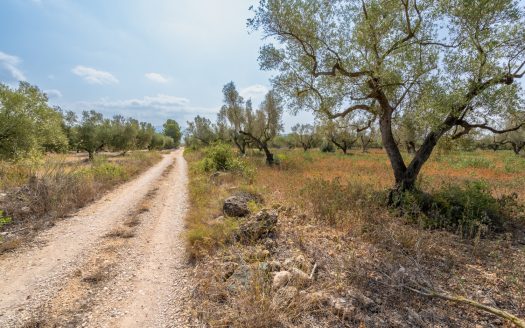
{"points": [[117, 263]]}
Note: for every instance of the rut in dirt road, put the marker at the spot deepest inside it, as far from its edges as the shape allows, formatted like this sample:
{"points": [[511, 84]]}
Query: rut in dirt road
{"points": [[118, 263]]}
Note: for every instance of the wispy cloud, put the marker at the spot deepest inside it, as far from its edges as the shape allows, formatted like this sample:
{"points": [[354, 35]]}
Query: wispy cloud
{"points": [[157, 77], [94, 76], [53, 93], [254, 92], [153, 109], [160, 101], [10, 64]]}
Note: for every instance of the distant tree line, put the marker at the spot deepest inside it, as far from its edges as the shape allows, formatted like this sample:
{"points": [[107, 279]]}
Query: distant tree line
{"points": [[30, 127], [238, 124]]}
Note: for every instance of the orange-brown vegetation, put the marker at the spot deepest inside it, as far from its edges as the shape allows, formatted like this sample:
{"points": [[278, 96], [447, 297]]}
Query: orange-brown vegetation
{"points": [[366, 263]]}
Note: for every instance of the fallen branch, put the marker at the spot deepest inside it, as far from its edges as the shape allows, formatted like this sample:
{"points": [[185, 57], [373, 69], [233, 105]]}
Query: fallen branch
{"points": [[312, 274], [459, 299]]}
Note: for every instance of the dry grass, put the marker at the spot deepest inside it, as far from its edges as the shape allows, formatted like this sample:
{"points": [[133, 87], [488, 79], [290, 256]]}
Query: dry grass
{"points": [[205, 234], [132, 222], [10, 244], [366, 253], [121, 233], [37, 194]]}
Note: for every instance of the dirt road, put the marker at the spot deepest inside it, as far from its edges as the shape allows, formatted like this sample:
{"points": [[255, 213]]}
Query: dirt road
{"points": [[117, 263]]}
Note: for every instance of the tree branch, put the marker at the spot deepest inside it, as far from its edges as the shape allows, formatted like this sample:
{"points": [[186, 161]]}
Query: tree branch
{"points": [[459, 299], [348, 111], [467, 127]]}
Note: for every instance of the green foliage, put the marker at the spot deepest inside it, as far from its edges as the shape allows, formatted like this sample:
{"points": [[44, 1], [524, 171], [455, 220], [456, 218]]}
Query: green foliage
{"points": [[327, 147], [221, 157], [514, 164], [28, 125], [469, 210], [172, 130], [218, 157], [123, 133], [93, 132], [204, 237], [463, 162], [200, 132], [4, 219], [108, 172]]}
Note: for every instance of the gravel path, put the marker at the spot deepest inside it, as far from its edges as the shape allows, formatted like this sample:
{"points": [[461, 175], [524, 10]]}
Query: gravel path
{"points": [[118, 263]]}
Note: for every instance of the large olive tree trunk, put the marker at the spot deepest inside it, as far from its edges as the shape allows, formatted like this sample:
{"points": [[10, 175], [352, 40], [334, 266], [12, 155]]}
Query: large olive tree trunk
{"points": [[269, 155], [262, 144], [406, 176]]}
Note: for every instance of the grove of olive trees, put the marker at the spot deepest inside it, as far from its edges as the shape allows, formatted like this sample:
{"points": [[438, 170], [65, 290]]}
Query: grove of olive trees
{"points": [[29, 127], [453, 66]]}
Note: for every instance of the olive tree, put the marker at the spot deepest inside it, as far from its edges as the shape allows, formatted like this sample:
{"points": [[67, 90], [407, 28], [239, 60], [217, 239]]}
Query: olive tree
{"points": [[200, 132], [341, 133], [266, 123], [304, 135], [233, 116], [454, 64], [145, 135], [28, 125], [172, 129], [516, 139], [124, 134], [93, 133]]}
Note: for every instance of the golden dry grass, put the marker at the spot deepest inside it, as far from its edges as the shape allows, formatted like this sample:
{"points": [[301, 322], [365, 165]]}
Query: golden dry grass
{"points": [[35, 194], [361, 255]]}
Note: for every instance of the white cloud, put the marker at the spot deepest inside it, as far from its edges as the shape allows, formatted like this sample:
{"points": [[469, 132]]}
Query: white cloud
{"points": [[160, 101], [10, 64], [53, 93], [254, 92], [156, 77], [153, 109], [94, 76]]}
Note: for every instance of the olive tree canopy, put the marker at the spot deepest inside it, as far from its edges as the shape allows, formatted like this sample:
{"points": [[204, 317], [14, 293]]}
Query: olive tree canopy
{"points": [[453, 64], [265, 124], [28, 125], [233, 116]]}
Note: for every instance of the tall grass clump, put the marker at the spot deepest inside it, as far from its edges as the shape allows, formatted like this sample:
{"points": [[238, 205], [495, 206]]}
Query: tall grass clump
{"points": [[331, 201]]}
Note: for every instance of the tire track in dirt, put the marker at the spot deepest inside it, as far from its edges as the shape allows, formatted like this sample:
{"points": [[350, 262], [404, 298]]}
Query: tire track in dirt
{"points": [[62, 279], [154, 287]]}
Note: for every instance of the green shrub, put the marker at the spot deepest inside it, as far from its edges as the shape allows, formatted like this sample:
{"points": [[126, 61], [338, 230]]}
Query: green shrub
{"points": [[218, 157], [221, 157], [4, 219], [327, 147], [469, 210]]}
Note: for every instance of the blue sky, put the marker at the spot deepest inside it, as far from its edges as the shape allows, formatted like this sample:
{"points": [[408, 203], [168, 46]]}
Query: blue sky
{"points": [[150, 59]]}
